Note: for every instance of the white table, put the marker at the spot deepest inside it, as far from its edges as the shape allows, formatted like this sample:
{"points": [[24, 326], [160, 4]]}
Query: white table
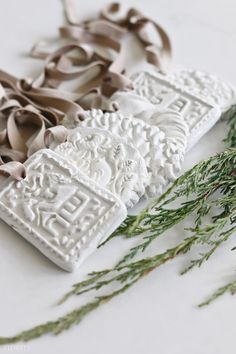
{"points": [[159, 314]]}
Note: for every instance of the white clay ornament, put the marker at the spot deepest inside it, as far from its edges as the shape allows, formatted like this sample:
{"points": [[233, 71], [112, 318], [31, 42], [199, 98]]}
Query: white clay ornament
{"points": [[109, 160], [162, 146], [209, 87], [59, 210], [185, 92]]}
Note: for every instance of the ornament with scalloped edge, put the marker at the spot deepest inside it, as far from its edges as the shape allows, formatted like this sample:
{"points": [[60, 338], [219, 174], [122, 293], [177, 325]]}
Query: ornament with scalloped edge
{"points": [[109, 160]]}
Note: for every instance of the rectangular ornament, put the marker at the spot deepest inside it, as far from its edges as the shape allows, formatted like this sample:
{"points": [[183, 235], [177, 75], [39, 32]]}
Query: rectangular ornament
{"points": [[199, 114], [60, 211]]}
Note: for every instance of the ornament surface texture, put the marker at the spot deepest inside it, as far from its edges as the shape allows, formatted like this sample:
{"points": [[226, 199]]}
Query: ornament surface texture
{"points": [[162, 146], [209, 87], [109, 160], [60, 211], [164, 94]]}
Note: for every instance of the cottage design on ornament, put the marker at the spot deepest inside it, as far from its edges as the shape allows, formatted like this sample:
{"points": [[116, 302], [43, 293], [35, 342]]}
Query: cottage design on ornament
{"points": [[60, 211]]}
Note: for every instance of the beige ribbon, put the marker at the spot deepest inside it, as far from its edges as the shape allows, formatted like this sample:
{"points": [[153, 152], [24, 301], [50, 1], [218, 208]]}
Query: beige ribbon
{"points": [[30, 116], [58, 134], [136, 22], [107, 31], [116, 25], [14, 169], [58, 64]]}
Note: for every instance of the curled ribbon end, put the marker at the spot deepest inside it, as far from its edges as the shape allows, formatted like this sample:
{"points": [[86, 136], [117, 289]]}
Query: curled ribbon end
{"points": [[81, 116], [115, 106]]}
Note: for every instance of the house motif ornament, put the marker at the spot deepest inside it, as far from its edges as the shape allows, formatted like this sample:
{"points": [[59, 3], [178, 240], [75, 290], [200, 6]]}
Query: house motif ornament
{"points": [[61, 211]]}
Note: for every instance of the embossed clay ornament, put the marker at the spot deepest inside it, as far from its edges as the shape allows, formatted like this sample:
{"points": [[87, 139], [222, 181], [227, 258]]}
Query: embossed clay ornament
{"points": [[188, 94], [209, 87], [109, 160], [162, 146], [59, 210]]}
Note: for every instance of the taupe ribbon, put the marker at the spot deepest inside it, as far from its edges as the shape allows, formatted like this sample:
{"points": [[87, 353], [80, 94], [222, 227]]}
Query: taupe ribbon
{"points": [[28, 113], [14, 169], [58, 64], [107, 31], [56, 134], [136, 22], [133, 20]]}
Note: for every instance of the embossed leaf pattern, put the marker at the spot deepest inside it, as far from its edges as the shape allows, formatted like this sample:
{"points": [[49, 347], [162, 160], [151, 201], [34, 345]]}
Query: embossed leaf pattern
{"points": [[118, 153], [128, 165]]}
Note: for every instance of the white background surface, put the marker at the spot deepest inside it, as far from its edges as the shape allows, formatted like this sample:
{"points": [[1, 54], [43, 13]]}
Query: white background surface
{"points": [[159, 314]]}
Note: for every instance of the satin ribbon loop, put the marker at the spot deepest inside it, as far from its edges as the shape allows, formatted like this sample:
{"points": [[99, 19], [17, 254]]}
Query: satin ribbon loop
{"points": [[26, 117], [13, 169], [56, 134]]}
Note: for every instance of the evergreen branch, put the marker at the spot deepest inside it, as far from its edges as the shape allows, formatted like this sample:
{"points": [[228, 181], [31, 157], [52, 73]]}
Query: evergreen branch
{"points": [[122, 229], [93, 277], [127, 271], [65, 322], [224, 236], [136, 270], [230, 139], [228, 288]]}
